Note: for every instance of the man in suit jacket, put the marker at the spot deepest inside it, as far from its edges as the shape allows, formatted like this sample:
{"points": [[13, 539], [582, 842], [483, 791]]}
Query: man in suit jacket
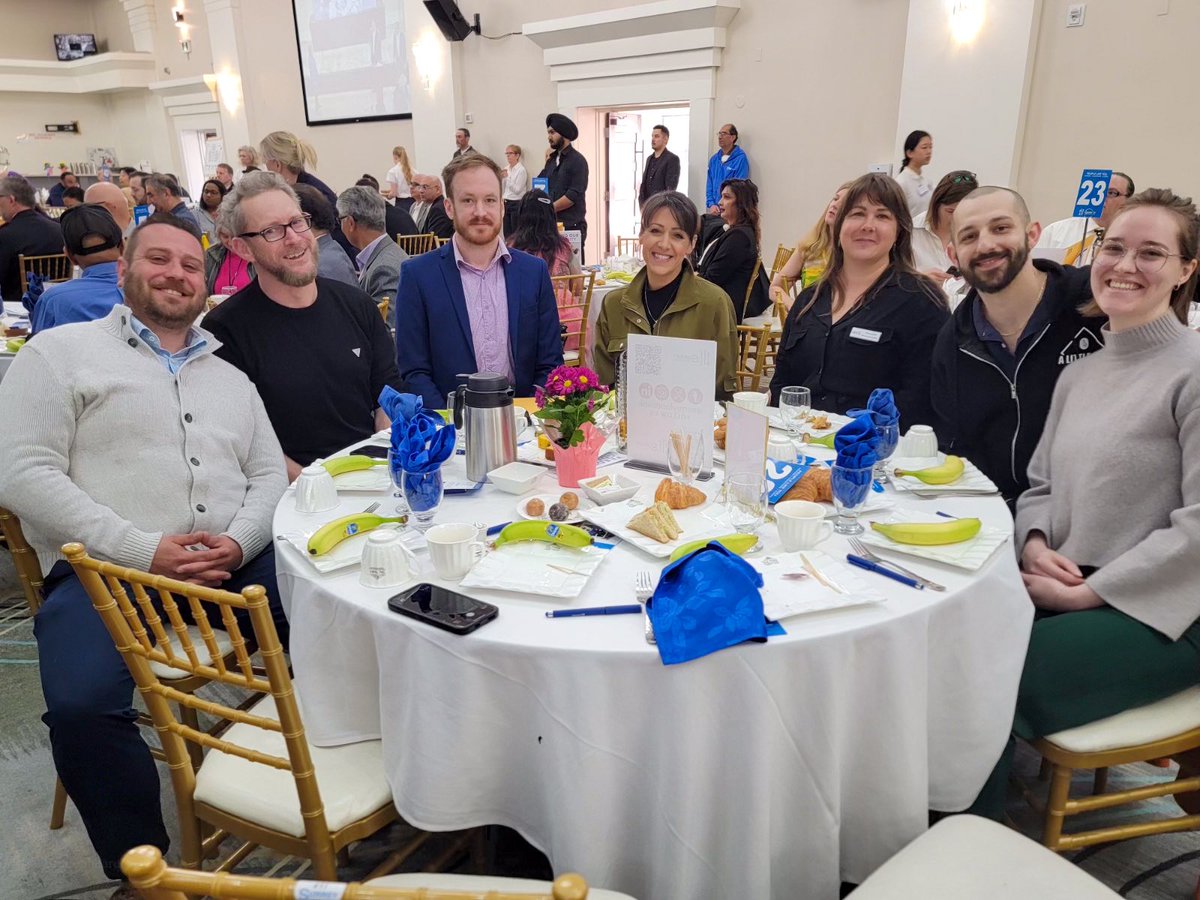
{"points": [[28, 232], [437, 220], [474, 305], [397, 221], [361, 211], [662, 166]]}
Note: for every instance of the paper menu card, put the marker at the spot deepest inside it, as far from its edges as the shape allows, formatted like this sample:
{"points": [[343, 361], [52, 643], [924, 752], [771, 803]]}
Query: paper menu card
{"points": [[670, 386], [745, 442]]}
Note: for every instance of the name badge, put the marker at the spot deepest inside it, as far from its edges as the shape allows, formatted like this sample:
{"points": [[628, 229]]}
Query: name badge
{"points": [[866, 334]]}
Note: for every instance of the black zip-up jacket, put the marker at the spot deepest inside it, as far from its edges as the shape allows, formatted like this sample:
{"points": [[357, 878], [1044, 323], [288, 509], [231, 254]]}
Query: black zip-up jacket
{"points": [[992, 420]]}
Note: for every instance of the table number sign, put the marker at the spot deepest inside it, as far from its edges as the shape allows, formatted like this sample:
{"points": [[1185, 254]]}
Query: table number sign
{"points": [[671, 387], [745, 442], [1092, 193]]}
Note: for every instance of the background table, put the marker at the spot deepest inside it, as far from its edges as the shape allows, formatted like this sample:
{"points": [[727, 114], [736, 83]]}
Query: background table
{"points": [[12, 311], [765, 770]]}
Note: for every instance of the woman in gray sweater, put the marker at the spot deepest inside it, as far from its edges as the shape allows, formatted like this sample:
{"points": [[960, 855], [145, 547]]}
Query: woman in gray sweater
{"points": [[1110, 526]]}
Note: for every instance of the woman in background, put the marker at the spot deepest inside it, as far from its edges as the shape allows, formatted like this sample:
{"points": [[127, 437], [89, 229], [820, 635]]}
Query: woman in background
{"points": [[931, 234], [248, 157], [516, 185], [211, 196], [811, 256], [918, 152], [398, 182], [729, 259], [536, 232]]}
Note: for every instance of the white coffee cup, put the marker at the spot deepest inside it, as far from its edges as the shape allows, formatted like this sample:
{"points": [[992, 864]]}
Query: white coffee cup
{"points": [[454, 549], [781, 447], [386, 562], [919, 443], [801, 524], [315, 490], [751, 400]]}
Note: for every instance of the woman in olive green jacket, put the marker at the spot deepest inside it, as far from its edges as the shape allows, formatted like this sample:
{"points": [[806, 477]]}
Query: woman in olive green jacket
{"points": [[666, 298]]}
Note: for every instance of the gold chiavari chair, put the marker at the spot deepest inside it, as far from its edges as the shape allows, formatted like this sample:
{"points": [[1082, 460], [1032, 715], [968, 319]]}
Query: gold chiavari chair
{"points": [[574, 296], [155, 880], [629, 246], [260, 780], [782, 255], [385, 306], [53, 267], [752, 355], [416, 244]]}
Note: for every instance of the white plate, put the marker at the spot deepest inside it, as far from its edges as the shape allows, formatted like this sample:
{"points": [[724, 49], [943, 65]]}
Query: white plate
{"points": [[972, 480], [346, 554], [549, 500], [836, 421], [784, 597], [710, 520], [969, 555], [373, 479], [536, 568]]}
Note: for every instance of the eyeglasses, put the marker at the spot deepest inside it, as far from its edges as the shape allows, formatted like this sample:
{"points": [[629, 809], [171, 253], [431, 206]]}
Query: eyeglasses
{"points": [[724, 134], [1145, 259], [968, 178], [1113, 192], [273, 233]]}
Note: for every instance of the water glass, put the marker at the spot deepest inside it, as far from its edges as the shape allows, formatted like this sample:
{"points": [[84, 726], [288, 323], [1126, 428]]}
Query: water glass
{"points": [[684, 455], [889, 438], [746, 498], [396, 473], [423, 491], [795, 403], [851, 488]]}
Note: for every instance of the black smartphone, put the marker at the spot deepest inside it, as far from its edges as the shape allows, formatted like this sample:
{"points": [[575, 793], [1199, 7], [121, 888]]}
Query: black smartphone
{"points": [[372, 450], [443, 608]]}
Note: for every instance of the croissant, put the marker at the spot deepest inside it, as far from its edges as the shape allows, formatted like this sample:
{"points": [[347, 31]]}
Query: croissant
{"points": [[719, 431], [678, 496], [815, 485]]}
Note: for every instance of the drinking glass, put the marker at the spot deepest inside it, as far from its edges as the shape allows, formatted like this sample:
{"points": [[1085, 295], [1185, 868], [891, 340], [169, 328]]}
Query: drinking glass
{"points": [[396, 473], [684, 455], [889, 438], [746, 499], [795, 403], [423, 491], [851, 487]]}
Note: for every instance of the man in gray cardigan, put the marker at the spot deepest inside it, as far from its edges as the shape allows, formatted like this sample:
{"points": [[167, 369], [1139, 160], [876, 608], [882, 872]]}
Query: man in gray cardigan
{"points": [[128, 435]]}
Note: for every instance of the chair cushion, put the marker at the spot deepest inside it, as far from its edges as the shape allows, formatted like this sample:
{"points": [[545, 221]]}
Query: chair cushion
{"points": [[966, 856], [350, 779], [167, 673], [481, 884], [1140, 725]]}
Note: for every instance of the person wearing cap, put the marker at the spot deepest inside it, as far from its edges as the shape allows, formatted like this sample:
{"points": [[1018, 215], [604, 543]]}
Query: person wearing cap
{"points": [[566, 172], [92, 240]]}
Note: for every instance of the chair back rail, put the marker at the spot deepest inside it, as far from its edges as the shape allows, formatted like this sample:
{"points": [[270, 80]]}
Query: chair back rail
{"points": [[573, 293], [52, 267], [29, 570], [753, 343], [416, 244]]}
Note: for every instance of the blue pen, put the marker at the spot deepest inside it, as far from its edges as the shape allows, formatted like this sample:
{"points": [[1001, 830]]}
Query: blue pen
{"points": [[875, 567], [593, 611], [496, 529]]}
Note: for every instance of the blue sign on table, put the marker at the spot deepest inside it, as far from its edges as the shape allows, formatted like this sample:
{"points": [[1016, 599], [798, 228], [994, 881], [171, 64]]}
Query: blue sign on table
{"points": [[541, 184], [140, 214], [1092, 193]]}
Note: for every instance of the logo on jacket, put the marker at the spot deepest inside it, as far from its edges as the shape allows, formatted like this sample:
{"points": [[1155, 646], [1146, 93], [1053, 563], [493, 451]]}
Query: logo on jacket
{"points": [[1085, 343], [357, 351]]}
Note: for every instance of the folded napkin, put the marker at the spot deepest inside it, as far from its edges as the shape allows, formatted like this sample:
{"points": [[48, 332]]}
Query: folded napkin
{"points": [[881, 407], [421, 440], [855, 444], [706, 601], [35, 290]]}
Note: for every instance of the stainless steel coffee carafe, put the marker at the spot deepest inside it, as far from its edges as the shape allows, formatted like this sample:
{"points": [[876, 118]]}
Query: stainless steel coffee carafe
{"points": [[483, 408]]}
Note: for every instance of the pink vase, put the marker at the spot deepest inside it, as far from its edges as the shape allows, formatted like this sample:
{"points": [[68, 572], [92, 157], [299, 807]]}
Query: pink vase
{"points": [[575, 463]]}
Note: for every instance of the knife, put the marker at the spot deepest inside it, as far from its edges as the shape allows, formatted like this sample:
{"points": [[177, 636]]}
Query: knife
{"points": [[878, 569]]}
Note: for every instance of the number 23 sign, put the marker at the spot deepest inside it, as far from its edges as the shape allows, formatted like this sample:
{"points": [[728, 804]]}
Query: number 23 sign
{"points": [[1092, 193]]}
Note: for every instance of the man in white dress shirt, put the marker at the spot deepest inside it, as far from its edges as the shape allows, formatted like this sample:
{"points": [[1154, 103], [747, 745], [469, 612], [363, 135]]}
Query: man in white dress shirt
{"points": [[1077, 237]]}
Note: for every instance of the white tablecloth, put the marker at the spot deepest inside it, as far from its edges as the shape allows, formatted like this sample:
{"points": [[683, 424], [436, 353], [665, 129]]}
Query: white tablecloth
{"points": [[762, 771], [12, 312]]}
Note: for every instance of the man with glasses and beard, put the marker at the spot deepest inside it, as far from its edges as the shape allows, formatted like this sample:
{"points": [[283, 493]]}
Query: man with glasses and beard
{"points": [[317, 350], [474, 305], [997, 360], [129, 435]]}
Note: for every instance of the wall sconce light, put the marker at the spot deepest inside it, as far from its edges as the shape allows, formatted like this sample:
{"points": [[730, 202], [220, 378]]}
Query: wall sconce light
{"points": [[427, 52], [966, 20], [185, 41]]}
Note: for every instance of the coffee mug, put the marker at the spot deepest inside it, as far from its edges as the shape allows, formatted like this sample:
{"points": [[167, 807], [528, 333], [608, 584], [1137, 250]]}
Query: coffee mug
{"points": [[919, 443], [454, 549], [315, 491], [754, 401], [801, 524], [386, 562]]}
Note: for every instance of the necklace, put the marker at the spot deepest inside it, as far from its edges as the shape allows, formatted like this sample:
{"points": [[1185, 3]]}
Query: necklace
{"points": [[652, 319], [1008, 334]]}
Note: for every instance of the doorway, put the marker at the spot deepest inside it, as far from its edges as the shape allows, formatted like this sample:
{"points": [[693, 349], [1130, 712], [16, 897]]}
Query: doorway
{"points": [[626, 147], [201, 150]]}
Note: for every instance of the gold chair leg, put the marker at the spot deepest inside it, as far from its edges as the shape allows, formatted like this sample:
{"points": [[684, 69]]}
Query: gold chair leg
{"points": [[1060, 789], [59, 810], [189, 717], [1100, 781]]}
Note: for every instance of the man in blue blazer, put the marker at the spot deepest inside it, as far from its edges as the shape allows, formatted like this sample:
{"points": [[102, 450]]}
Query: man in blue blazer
{"points": [[474, 305]]}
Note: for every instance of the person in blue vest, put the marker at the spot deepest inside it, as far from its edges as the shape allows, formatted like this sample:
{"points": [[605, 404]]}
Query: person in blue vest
{"points": [[730, 161]]}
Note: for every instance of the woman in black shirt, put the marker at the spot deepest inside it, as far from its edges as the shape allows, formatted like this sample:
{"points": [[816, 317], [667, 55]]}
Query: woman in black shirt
{"points": [[871, 320], [729, 259]]}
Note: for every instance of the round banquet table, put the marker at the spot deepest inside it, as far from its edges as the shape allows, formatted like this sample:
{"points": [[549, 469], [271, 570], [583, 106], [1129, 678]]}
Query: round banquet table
{"points": [[771, 770]]}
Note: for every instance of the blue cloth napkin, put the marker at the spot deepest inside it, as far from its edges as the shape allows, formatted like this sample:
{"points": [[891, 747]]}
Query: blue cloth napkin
{"points": [[704, 602], [421, 440], [33, 292], [855, 444], [881, 407]]}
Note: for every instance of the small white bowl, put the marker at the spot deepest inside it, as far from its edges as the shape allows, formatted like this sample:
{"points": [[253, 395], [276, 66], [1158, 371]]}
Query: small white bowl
{"points": [[516, 477], [624, 489]]}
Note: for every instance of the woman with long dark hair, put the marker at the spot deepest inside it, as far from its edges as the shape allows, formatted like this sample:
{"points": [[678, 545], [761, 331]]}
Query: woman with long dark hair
{"points": [[729, 259], [537, 234], [871, 320]]}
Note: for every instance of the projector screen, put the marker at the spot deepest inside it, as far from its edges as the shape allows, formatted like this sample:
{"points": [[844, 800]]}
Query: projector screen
{"points": [[353, 60]]}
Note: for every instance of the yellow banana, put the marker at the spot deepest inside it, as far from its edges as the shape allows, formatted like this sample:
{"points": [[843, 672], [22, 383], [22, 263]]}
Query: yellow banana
{"points": [[329, 536], [947, 473], [823, 441], [340, 465], [14, 344], [550, 532], [735, 543], [929, 534]]}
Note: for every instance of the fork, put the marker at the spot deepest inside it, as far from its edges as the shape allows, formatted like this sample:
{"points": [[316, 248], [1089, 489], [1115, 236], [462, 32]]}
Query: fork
{"points": [[374, 506], [865, 552], [643, 586]]}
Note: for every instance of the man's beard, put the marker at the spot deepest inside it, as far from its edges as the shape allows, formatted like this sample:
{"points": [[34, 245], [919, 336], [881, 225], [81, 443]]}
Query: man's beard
{"points": [[139, 297], [997, 280], [463, 231], [291, 277], [556, 143]]}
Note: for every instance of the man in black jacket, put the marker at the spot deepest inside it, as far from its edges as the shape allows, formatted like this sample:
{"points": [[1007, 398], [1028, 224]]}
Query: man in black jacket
{"points": [[27, 232], [997, 360], [662, 166], [567, 173], [437, 221]]}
